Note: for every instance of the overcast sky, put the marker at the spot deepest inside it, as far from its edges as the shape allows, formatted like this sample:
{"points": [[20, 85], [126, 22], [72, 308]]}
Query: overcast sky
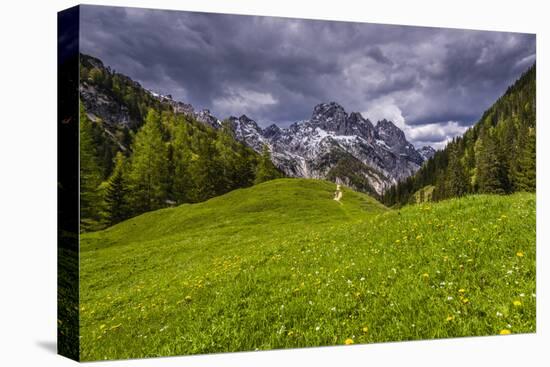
{"points": [[431, 82]]}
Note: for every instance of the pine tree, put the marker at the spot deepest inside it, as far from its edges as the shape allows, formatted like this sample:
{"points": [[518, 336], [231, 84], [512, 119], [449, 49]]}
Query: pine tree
{"points": [[90, 173], [148, 171], [116, 192]]}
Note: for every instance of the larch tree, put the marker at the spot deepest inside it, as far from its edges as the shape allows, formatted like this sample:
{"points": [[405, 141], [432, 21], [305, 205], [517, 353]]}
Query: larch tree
{"points": [[148, 170]]}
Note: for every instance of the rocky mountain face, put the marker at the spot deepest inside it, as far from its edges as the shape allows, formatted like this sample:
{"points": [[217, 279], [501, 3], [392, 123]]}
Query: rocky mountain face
{"points": [[101, 105], [203, 116], [339, 146], [426, 152], [332, 144]]}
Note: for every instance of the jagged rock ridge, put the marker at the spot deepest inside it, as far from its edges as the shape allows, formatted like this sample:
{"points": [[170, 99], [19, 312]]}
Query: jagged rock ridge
{"points": [[332, 144], [331, 140]]}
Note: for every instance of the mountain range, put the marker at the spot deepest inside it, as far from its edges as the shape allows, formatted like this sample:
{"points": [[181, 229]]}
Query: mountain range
{"points": [[333, 144], [339, 146]]}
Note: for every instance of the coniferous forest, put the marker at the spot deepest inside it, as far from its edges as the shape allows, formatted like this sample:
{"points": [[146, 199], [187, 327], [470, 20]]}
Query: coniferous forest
{"points": [[166, 159], [495, 156]]}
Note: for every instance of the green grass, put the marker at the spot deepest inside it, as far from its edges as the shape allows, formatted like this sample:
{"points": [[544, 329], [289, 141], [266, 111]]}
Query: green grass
{"points": [[282, 265]]}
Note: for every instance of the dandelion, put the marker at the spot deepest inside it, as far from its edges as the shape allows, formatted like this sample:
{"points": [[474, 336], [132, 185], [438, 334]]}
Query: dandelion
{"points": [[465, 300], [365, 329], [505, 332], [348, 341], [450, 318], [517, 303], [461, 290], [519, 254], [425, 275]]}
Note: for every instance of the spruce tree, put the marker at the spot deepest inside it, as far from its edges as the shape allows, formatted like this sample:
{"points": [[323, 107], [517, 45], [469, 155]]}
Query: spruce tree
{"points": [[457, 181], [491, 174], [116, 192], [90, 173], [526, 178]]}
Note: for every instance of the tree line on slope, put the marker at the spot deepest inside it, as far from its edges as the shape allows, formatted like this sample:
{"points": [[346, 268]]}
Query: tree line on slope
{"points": [[163, 159], [172, 160], [496, 156]]}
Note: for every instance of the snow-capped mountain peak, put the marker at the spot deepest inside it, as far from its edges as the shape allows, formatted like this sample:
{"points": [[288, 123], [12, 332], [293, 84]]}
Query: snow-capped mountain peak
{"points": [[336, 145]]}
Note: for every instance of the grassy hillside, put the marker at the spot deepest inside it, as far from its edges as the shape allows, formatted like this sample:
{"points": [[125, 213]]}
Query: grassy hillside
{"points": [[283, 265]]}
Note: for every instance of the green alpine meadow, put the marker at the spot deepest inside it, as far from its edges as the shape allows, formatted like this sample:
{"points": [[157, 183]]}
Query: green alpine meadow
{"points": [[233, 183], [283, 265]]}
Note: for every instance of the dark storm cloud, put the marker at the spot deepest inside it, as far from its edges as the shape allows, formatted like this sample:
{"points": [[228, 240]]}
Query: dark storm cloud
{"points": [[432, 82]]}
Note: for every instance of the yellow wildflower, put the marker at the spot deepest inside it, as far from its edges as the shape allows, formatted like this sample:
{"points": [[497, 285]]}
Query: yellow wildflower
{"points": [[365, 329], [461, 290], [517, 303], [348, 341], [505, 332], [450, 318], [519, 254]]}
